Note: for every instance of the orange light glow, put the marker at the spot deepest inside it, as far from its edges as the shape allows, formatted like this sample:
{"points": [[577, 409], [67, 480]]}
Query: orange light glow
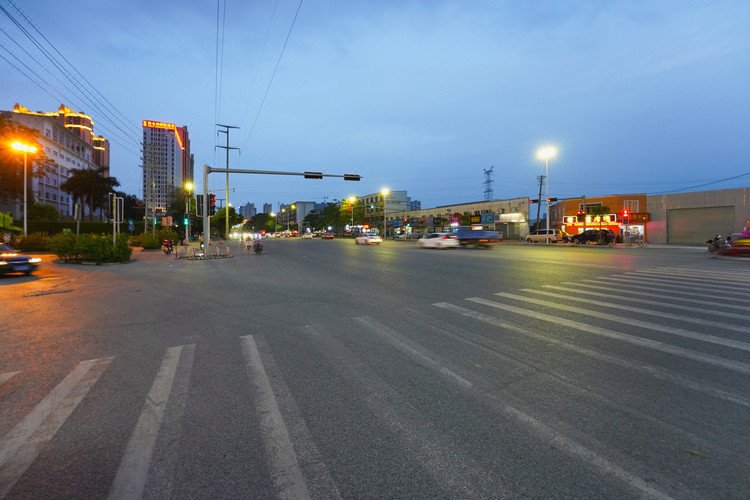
{"points": [[165, 126], [19, 146]]}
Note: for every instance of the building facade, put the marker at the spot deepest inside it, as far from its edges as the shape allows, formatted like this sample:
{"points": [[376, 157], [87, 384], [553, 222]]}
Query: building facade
{"points": [[167, 162], [565, 214], [69, 142], [267, 208], [248, 210]]}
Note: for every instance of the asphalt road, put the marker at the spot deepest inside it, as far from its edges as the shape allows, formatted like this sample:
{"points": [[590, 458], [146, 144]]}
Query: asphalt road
{"points": [[325, 369]]}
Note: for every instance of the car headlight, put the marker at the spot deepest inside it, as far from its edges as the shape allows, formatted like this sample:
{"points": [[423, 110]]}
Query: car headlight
{"points": [[3, 263], [35, 260]]}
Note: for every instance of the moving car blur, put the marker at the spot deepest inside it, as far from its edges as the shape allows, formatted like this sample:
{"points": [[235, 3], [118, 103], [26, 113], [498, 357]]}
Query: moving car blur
{"points": [[438, 240], [14, 262]]}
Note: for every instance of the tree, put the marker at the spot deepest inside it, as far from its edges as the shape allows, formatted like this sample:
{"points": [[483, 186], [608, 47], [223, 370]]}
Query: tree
{"points": [[41, 212], [217, 220], [92, 185], [261, 222], [11, 162], [133, 208]]}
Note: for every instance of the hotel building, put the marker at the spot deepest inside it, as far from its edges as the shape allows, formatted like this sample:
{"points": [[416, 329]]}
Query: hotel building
{"points": [[167, 162]]}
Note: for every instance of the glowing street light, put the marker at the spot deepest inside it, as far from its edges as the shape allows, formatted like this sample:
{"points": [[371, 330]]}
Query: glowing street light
{"points": [[352, 201], [25, 149], [545, 153], [385, 192], [188, 189]]}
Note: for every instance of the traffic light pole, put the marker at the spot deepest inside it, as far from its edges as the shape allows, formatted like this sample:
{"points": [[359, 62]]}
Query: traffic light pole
{"points": [[207, 170]]}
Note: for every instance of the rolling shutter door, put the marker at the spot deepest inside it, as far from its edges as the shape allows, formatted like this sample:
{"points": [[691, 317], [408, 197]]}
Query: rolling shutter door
{"points": [[693, 226]]}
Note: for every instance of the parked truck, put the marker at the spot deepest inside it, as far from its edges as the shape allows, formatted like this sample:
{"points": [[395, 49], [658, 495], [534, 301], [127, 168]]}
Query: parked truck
{"points": [[467, 236]]}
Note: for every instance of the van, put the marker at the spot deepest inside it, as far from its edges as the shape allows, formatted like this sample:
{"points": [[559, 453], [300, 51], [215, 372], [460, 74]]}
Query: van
{"points": [[540, 236]]}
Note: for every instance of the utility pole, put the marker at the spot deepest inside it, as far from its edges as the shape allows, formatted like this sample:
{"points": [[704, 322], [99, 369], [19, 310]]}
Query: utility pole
{"points": [[583, 207], [227, 148], [540, 178], [489, 184]]}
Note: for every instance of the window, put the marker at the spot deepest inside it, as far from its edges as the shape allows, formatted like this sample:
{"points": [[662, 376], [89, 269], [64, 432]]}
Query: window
{"points": [[633, 206]]}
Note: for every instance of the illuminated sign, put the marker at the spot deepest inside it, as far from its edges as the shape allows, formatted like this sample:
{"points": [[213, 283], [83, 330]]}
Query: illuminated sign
{"points": [[165, 126]]}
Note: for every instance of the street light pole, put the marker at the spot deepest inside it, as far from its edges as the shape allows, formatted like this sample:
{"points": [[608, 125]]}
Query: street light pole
{"points": [[546, 153], [385, 193], [25, 149]]}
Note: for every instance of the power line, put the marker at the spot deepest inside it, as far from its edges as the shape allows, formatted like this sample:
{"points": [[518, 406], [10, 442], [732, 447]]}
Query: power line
{"points": [[278, 61], [81, 92], [703, 185], [127, 121], [260, 59]]}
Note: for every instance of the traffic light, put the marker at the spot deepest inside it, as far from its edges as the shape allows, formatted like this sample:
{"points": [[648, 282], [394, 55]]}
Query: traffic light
{"points": [[536, 200], [211, 204], [185, 220], [625, 216], [550, 200], [372, 206], [580, 215]]}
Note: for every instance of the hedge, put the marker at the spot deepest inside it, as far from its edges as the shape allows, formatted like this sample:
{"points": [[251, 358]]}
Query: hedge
{"points": [[90, 248], [152, 241], [34, 242]]}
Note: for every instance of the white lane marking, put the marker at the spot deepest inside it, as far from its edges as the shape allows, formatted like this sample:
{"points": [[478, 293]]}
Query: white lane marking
{"points": [[712, 277], [421, 354], [656, 371], [711, 339], [4, 377], [418, 438], [709, 273], [287, 477], [662, 296], [653, 288], [723, 290], [649, 312], [719, 282], [20, 447], [319, 480], [566, 444], [737, 366], [133, 471]]}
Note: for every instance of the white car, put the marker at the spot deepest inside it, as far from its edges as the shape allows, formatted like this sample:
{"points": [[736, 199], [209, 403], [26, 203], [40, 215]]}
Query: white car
{"points": [[368, 239], [438, 240], [307, 236]]}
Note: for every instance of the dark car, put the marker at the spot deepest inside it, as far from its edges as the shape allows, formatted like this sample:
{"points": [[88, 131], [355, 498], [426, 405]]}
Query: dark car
{"points": [[14, 262], [327, 236], [598, 236]]}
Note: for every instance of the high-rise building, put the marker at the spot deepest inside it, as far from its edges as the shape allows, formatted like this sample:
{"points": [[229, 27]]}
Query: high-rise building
{"points": [[69, 142], [167, 162], [267, 208], [248, 210]]}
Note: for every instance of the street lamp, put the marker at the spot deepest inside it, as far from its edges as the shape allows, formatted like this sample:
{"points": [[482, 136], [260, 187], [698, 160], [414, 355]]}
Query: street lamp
{"points": [[352, 201], [26, 149], [188, 189], [385, 192], [545, 153], [293, 207]]}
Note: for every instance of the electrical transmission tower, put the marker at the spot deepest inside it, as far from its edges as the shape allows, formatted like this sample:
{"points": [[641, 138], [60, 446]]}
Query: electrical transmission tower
{"points": [[489, 184]]}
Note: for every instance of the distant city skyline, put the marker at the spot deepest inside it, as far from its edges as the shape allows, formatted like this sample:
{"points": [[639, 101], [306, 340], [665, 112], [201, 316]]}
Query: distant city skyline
{"points": [[638, 97]]}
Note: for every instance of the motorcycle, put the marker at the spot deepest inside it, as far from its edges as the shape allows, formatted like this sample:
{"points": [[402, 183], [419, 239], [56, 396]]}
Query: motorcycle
{"points": [[257, 247], [729, 247], [167, 246]]}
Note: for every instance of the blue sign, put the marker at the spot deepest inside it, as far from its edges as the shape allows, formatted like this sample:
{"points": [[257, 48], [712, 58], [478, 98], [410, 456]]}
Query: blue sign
{"points": [[131, 226], [396, 223], [487, 218]]}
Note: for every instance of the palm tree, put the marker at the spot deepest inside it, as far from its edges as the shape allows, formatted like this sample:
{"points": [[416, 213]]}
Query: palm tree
{"points": [[90, 185]]}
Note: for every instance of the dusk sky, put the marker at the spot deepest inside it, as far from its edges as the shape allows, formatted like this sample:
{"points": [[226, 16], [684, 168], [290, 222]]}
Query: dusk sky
{"points": [[649, 96]]}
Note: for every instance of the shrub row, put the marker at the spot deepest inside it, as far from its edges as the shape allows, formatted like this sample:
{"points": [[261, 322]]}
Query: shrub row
{"points": [[152, 241], [34, 242], [90, 248]]}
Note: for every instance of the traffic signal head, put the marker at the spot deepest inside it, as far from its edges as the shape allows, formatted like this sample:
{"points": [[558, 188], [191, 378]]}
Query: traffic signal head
{"points": [[211, 204], [536, 200], [185, 220], [625, 216]]}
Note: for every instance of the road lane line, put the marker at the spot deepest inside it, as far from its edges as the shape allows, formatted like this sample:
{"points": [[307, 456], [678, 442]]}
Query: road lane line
{"points": [[654, 288], [20, 447], [672, 277], [653, 370], [446, 464], [318, 478], [476, 341], [660, 296], [132, 473], [720, 290], [638, 310], [702, 278], [287, 476], [737, 366], [4, 377], [568, 445], [711, 339], [421, 354], [709, 273]]}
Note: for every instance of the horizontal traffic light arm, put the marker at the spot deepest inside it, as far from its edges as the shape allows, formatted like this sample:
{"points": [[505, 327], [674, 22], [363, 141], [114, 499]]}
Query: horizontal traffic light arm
{"points": [[307, 175]]}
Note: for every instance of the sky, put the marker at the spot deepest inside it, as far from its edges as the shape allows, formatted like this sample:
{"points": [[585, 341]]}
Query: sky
{"points": [[638, 96]]}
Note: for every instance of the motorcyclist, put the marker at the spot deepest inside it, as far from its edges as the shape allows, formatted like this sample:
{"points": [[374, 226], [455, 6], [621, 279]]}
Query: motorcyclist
{"points": [[257, 245]]}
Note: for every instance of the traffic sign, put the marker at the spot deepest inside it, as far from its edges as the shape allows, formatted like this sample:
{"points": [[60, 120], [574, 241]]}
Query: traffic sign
{"points": [[488, 218]]}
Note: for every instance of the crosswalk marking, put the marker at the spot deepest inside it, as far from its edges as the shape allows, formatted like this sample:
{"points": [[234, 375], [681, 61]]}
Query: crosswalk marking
{"points": [[639, 293], [737, 366], [133, 471], [422, 355], [714, 289], [712, 339], [655, 371], [4, 377], [710, 273], [698, 281], [20, 447], [666, 288], [649, 312], [697, 277], [287, 477]]}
